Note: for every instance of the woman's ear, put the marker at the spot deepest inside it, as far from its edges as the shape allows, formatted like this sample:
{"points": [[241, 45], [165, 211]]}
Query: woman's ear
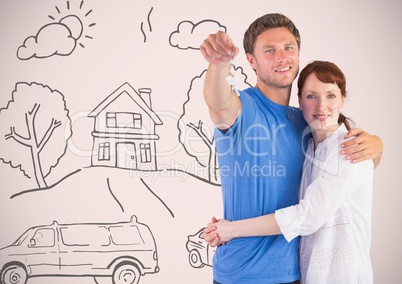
{"points": [[342, 103]]}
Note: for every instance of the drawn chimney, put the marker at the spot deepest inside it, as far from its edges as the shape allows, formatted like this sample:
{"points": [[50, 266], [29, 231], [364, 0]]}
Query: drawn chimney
{"points": [[145, 94]]}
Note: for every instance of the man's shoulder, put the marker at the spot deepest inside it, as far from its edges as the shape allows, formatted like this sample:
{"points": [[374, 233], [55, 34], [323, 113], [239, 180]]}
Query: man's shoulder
{"points": [[295, 110]]}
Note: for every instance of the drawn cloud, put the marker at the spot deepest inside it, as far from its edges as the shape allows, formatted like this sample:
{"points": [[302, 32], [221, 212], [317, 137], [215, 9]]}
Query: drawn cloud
{"points": [[52, 39], [190, 36]]}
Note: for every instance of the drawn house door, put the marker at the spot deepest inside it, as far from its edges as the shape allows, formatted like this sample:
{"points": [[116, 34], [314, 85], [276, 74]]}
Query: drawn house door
{"points": [[126, 157]]}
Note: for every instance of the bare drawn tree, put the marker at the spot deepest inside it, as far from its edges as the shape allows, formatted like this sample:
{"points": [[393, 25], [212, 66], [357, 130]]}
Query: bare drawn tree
{"points": [[34, 130]]}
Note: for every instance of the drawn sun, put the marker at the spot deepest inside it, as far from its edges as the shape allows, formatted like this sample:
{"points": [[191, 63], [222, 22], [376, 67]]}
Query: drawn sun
{"points": [[73, 21]]}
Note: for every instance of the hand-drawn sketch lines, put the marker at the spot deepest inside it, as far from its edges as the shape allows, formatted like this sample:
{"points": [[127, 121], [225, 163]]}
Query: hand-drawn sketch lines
{"points": [[58, 38], [124, 130], [123, 251], [200, 252], [36, 124], [149, 24], [188, 34]]}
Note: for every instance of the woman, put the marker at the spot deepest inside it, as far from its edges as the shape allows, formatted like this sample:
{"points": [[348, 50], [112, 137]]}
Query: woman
{"points": [[334, 212]]}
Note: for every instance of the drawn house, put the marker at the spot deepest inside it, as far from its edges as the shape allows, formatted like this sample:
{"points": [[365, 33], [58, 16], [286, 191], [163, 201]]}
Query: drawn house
{"points": [[124, 130]]}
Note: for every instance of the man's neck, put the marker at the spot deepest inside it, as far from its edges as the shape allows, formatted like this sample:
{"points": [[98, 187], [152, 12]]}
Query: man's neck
{"points": [[281, 96]]}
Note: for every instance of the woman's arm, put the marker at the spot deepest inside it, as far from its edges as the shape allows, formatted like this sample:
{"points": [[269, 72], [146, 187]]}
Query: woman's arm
{"points": [[222, 231]]}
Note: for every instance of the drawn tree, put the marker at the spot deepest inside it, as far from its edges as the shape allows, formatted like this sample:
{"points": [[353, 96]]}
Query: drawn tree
{"points": [[34, 130], [196, 128]]}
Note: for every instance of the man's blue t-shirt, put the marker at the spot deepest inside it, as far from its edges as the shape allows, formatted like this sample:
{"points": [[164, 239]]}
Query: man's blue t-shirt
{"points": [[260, 161]]}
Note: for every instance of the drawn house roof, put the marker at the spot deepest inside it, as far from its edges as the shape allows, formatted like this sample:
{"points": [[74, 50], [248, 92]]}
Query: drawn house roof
{"points": [[134, 95]]}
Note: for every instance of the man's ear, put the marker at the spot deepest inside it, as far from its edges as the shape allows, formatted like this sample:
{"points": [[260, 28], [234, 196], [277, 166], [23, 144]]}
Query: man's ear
{"points": [[251, 61]]}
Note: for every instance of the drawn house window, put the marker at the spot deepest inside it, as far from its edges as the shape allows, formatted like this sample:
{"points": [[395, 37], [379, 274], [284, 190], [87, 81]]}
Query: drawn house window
{"points": [[145, 149], [124, 120], [104, 151], [43, 238], [137, 120], [111, 120]]}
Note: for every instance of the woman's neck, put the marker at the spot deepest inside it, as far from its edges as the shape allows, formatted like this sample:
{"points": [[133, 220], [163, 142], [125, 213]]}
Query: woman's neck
{"points": [[320, 135]]}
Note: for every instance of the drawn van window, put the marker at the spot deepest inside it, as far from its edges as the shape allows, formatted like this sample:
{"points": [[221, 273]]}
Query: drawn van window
{"points": [[81, 235], [126, 235], [42, 238]]}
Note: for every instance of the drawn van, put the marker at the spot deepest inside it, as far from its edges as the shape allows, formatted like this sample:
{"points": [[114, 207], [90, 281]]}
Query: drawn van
{"points": [[123, 251], [200, 252]]}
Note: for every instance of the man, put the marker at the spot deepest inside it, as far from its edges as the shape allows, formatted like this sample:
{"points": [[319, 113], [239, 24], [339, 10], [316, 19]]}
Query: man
{"points": [[260, 146]]}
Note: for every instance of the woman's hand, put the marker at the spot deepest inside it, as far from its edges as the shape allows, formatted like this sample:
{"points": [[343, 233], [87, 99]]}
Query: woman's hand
{"points": [[218, 232]]}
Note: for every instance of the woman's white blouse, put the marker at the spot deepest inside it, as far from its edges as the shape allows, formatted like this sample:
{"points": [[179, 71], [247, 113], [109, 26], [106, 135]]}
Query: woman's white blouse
{"points": [[333, 216]]}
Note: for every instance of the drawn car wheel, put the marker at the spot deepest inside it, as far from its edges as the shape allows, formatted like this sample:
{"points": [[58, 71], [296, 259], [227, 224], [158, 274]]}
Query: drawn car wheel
{"points": [[14, 274], [126, 273], [195, 259]]}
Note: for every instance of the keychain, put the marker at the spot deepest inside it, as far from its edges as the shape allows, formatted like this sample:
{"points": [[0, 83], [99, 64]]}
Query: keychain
{"points": [[231, 79]]}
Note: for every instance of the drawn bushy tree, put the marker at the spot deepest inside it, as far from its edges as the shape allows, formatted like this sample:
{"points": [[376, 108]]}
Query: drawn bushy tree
{"points": [[196, 128], [34, 130]]}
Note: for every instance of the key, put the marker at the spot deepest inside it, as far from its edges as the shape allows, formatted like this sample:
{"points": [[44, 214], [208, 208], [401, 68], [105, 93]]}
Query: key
{"points": [[231, 79]]}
